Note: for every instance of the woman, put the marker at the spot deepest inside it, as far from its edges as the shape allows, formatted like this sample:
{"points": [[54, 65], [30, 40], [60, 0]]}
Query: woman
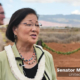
{"points": [[25, 60]]}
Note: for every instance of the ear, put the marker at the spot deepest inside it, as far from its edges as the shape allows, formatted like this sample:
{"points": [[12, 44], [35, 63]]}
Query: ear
{"points": [[14, 30]]}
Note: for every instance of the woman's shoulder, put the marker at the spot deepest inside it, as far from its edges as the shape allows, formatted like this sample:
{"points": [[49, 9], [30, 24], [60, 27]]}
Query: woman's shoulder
{"points": [[47, 54], [2, 55]]}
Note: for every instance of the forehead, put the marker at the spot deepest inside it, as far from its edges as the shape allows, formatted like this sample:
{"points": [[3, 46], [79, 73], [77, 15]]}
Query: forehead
{"points": [[30, 17], [1, 9]]}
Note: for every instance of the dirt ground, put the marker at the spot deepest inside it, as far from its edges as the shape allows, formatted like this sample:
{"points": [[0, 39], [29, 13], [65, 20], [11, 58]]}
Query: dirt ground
{"points": [[72, 60]]}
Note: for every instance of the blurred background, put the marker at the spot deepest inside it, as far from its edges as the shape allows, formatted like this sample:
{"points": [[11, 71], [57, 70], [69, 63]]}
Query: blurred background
{"points": [[60, 29]]}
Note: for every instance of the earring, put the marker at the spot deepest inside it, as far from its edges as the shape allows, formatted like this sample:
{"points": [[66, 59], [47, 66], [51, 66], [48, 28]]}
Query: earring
{"points": [[15, 37]]}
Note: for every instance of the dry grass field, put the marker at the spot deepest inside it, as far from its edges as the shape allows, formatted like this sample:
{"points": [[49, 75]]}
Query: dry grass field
{"points": [[60, 35]]}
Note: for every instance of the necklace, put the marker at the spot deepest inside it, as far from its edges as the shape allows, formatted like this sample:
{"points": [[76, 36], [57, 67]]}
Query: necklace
{"points": [[27, 61], [31, 62], [15, 70]]}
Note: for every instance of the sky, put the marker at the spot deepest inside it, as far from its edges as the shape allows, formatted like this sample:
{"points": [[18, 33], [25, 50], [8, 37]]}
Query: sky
{"points": [[42, 7]]}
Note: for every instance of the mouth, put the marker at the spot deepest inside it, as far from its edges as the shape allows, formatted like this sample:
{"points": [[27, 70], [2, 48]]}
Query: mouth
{"points": [[33, 36]]}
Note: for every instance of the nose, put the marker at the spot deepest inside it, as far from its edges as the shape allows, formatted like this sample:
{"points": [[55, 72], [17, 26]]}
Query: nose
{"points": [[34, 28]]}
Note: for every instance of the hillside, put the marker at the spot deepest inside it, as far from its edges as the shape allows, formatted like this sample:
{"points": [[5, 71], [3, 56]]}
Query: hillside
{"points": [[73, 20]]}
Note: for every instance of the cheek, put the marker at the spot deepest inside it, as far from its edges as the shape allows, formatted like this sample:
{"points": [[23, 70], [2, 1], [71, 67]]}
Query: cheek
{"points": [[26, 31], [23, 32], [38, 30]]}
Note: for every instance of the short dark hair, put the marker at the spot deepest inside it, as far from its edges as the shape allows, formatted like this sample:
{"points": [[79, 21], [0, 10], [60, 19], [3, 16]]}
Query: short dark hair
{"points": [[16, 18], [0, 4]]}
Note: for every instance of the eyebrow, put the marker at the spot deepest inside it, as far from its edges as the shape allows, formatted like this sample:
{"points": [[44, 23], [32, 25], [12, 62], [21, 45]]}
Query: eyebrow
{"points": [[31, 20]]}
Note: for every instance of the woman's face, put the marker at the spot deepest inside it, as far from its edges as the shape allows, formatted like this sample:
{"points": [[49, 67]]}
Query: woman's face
{"points": [[28, 30]]}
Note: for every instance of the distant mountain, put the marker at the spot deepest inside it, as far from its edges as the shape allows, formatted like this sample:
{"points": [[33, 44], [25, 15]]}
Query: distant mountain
{"points": [[72, 20], [57, 20], [51, 24]]}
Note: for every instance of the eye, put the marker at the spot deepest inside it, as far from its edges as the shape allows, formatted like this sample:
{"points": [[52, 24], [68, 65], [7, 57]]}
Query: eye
{"points": [[2, 13], [37, 25], [27, 24]]}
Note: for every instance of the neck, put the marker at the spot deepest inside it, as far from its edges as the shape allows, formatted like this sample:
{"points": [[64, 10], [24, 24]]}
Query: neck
{"points": [[24, 47]]}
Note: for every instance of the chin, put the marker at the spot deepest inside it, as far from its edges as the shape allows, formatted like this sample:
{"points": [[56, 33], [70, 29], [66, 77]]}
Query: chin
{"points": [[33, 41]]}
